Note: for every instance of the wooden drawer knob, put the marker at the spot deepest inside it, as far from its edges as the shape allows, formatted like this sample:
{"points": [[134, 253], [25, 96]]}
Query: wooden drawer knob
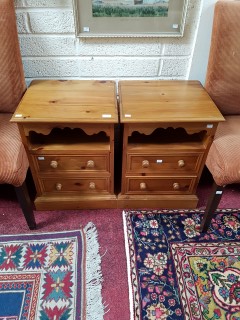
{"points": [[58, 186], [143, 186], [90, 164], [176, 186], [145, 164], [92, 186], [181, 163], [54, 164]]}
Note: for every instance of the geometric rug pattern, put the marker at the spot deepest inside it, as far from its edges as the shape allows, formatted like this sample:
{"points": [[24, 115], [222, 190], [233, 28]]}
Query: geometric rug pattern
{"points": [[44, 276]]}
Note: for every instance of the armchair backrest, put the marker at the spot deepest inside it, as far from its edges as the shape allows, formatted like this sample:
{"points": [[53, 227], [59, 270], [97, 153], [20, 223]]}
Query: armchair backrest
{"points": [[12, 82], [223, 72]]}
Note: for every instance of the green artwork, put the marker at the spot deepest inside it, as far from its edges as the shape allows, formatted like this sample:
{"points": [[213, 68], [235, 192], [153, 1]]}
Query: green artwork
{"points": [[130, 8]]}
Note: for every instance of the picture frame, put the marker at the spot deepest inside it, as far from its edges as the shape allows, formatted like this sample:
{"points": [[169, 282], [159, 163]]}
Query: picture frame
{"points": [[113, 18]]}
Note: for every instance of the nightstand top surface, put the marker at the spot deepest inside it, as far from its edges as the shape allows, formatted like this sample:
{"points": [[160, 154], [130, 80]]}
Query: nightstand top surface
{"points": [[68, 101], [166, 101]]}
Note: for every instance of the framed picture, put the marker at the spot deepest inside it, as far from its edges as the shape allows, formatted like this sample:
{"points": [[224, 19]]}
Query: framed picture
{"points": [[130, 18]]}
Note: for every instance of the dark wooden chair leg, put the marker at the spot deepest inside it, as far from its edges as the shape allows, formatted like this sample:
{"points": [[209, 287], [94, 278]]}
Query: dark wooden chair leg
{"points": [[211, 207], [26, 205]]}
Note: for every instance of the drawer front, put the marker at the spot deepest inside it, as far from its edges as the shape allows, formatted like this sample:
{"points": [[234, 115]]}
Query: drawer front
{"points": [[152, 164], [81, 185], [72, 163], [173, 185]]}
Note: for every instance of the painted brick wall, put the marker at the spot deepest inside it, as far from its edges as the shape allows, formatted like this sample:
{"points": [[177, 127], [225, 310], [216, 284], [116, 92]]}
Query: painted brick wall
{"points": [[50, 49]]}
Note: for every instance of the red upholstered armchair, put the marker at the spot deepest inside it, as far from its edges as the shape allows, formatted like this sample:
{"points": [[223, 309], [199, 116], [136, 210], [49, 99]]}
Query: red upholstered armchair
{"points": [[13, 159], [223, 85]]}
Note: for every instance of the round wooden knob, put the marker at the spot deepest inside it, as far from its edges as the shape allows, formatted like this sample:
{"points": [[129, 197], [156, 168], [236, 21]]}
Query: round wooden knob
{"points": [[145, 164], [58, 186], [54, 164], [92, 185], [143, 186], [181, 163], [176, 186], [90, 164]]}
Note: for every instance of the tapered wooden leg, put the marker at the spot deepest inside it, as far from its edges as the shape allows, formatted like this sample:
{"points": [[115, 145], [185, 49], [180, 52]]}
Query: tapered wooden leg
{"points": [[26, 205], [211, 207]]}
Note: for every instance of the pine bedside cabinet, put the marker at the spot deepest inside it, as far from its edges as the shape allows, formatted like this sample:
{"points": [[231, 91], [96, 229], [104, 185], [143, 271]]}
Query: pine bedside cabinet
{"points": [[67, 128], [168, 127]]}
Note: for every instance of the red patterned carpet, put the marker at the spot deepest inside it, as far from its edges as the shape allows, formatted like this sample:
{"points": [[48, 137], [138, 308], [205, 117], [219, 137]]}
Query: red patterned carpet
{"points": [[111, 238]]}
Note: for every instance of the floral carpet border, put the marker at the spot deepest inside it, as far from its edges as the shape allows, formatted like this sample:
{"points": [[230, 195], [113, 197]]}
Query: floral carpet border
{"points": [[187, 234], [198, 253]]}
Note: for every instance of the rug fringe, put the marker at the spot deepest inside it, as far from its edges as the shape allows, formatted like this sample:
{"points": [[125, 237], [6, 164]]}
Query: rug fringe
{"points": [[128, 265], [95, 308]]}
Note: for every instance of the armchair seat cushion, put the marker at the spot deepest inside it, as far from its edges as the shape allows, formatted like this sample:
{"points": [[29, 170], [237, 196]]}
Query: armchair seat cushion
{"points": [[223, 160], [13, 158]]}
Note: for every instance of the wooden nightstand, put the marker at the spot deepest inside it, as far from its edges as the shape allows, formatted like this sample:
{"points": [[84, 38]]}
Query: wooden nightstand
{"points": [[168, 129], [67, 128]]}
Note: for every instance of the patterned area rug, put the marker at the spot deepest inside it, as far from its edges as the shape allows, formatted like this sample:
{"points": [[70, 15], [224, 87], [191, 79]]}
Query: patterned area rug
{"points": [[51, 276], [175, 272]]}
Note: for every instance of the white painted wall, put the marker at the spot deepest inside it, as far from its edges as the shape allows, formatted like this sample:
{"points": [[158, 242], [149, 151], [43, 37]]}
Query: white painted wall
{"points": [[50, 49], [198, 66]]}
